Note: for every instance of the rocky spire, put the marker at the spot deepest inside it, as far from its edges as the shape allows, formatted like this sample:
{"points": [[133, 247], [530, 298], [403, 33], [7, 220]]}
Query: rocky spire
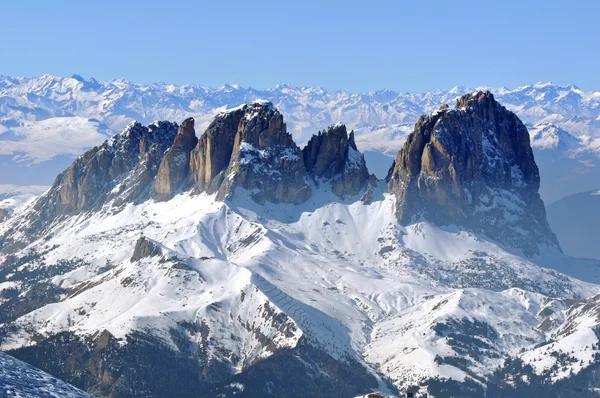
{"points": [[247, 147], [174, 167], [472, 166], [265, 159], [120, 170], [211, 157], [332, 155]]}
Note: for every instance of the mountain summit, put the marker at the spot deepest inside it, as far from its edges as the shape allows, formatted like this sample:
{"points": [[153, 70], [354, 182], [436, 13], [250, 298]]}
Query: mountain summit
{"points": [[472, 166]]}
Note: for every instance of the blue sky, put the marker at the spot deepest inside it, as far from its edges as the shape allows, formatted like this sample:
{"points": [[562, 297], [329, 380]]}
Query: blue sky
{"points": [[356, 46]]}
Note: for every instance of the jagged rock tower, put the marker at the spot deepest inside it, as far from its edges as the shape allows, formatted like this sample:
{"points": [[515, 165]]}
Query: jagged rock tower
{"points": [[247, 147], [332, 156], [472, 166]]}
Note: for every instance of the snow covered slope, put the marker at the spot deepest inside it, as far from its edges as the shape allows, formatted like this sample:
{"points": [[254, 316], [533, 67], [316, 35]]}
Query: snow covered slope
{"points": [[51, 107], [258, 279], [20, 380], [571, 161], [14, 198]]}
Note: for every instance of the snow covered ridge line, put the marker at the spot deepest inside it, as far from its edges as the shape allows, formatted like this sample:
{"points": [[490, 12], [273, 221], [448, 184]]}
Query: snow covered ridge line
{"points": [[18, 379]]}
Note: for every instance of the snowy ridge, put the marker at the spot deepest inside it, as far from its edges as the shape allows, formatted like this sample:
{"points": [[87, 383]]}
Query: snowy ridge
{"points": [[20, 380], [341, 274]]}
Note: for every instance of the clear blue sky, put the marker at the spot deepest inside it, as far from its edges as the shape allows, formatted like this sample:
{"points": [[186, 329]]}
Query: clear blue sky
{"points": [[356, 46]]}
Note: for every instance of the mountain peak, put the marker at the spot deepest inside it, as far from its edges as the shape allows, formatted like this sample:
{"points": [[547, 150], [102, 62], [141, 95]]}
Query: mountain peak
{"points": [[332, 155], [472, 166], [475, 98]]}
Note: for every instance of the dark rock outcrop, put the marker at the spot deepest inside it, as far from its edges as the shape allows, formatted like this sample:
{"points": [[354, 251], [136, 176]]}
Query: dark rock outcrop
{"points": [[265, 160], [144, 248], [332, 155], [175, 164], [472, 166], [249, 148], [5, 214], [121, 169], [211, 157]]}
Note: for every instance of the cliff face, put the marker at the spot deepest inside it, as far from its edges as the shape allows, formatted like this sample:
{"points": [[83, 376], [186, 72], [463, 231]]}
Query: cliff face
{"points": [[121, 169], [175, 164], [5, 214], [246, 148], [265, 160], [211, 157], [331, 156], [472, 166]]}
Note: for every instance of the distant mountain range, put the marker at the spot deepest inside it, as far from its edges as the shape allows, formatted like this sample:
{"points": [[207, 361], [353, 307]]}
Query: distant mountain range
{"points": [[46, 121]]}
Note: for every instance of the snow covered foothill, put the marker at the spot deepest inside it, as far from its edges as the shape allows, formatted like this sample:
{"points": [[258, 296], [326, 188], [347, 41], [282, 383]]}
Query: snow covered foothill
{"points": [[338, 272]]}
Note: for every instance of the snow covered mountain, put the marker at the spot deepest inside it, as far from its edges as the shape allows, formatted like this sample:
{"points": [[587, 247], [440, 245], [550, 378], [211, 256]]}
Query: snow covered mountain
{"points": [[236, 263], [45, 121], [20, 380], [571, 161], [14, 198]]}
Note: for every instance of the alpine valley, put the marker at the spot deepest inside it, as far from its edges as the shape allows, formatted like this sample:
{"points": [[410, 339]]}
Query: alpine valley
{"points": [[217, 258]]}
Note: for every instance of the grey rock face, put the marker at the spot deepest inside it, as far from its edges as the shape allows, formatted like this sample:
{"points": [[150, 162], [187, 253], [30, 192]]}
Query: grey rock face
{"points": [[211, 157], [144, 247], [332, 155], [247, 147], [175, 164], [265, 160], [473, 166], [5, 214], [120, 169]]}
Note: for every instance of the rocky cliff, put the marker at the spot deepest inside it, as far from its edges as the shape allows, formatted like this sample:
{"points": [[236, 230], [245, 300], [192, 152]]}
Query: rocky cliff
{"points": [[265, 160], [211, 157], [331, 156], [175, 164], [247, 147], [5, 214], [472, 166], [120, 170]]}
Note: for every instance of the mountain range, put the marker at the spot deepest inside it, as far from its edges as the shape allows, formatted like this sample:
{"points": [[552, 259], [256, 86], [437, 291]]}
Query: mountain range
{"points": [[46, 121], [223, 259]]}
